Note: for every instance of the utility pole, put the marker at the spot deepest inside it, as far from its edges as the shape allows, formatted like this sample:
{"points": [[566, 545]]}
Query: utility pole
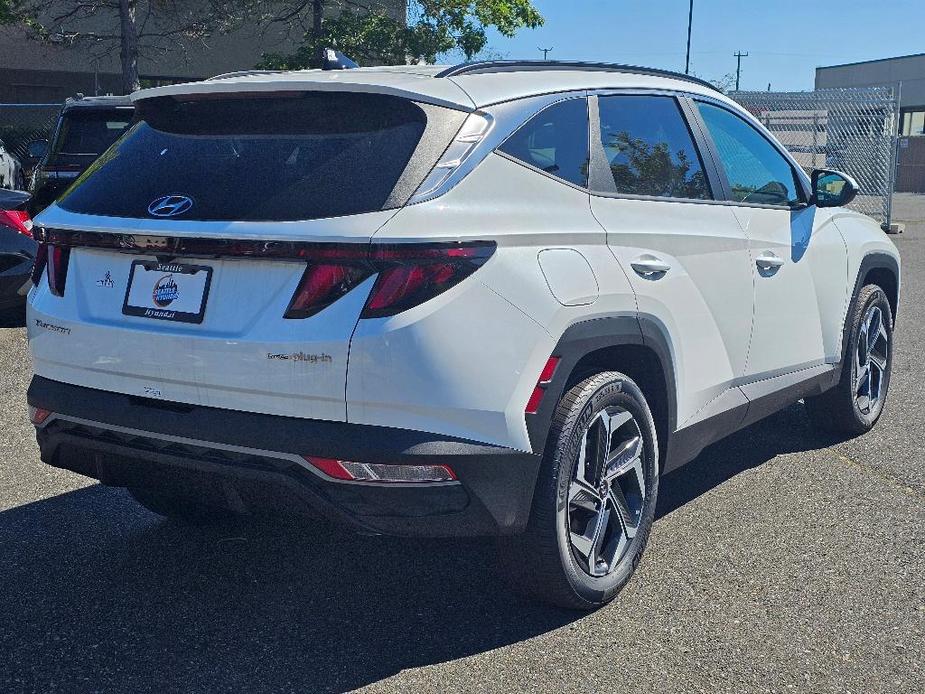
{"points": [[738, 56], [690, 21], [546, 51]]}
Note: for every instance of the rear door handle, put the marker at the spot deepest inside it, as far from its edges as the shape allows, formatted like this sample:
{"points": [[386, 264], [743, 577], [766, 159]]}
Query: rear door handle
{"points": [[768, 261], [649, 266]]}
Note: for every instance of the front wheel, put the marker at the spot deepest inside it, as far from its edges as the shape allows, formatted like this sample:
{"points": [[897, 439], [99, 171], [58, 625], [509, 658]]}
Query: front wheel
{"points": [[855, 404], [594, 503]]}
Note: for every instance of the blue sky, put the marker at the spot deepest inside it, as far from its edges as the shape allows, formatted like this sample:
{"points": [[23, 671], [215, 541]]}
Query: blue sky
{"points": [[786, 40]]}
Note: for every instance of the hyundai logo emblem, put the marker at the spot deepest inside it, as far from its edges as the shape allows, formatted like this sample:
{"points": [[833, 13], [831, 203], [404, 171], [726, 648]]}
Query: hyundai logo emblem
{"points": [[170, 205]]}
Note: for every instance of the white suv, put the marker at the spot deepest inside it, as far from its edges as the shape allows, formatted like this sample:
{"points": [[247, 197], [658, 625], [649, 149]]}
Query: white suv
{"points": [[498, 298]]}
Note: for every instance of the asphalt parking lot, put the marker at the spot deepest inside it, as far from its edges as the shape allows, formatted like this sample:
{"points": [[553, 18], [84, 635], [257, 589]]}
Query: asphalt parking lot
{"points": [[780, 561]]}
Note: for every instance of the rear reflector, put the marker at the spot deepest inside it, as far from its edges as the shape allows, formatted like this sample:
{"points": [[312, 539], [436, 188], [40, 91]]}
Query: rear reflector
{"points": [[38, 415], [536, 397], [16, 220], [350, 471]]}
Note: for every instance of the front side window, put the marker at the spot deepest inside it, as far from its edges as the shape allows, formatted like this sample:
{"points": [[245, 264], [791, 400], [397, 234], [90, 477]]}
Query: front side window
{"points": [[649, 148], [756, 171], [555, 141]]}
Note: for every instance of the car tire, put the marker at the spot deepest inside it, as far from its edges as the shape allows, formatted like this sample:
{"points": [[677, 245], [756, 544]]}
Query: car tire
{"points": [[855, 404], [180, 509], [587, 531]]}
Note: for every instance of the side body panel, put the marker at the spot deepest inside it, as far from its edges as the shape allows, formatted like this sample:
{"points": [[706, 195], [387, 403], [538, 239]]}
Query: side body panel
{"points": [[466, 362], [796, 303], [703, 301]]}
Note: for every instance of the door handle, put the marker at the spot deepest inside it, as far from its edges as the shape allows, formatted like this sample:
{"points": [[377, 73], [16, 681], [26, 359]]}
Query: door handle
{"points": [[768, 261], [649, 266]]}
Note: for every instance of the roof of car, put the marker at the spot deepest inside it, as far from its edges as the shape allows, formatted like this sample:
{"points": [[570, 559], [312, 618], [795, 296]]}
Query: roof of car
{"points": [[468, 86], [81, 101]]}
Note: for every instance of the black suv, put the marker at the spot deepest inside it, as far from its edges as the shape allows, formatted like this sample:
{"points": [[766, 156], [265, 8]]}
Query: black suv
{"points": [[86, 128]]}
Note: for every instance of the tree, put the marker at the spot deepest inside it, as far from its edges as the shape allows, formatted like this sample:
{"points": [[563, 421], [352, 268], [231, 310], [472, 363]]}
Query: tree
{"points": [[129, 27], [433, 27], [133, 28]]}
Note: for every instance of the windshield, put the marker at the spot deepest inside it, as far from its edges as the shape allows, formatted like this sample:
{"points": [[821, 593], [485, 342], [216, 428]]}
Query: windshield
{"points": [[260, 158]]}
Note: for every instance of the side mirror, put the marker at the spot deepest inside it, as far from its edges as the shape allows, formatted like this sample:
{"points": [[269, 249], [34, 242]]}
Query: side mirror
{"points": [[832, 188], [36, 149]]}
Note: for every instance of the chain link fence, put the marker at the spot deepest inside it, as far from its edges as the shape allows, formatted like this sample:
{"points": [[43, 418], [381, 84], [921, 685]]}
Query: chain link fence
{"points": [[20, 125], [851, 130]]}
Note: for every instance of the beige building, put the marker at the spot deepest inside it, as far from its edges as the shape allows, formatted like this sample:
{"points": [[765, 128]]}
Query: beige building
{"points": [[39, 72]]}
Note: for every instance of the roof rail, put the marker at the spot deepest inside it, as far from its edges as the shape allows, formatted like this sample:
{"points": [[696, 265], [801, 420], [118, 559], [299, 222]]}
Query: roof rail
{"points": [[484, 67], [243, 73]]}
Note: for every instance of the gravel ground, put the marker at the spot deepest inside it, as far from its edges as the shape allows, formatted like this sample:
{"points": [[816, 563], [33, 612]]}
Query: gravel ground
{"points": [[780, 561]]}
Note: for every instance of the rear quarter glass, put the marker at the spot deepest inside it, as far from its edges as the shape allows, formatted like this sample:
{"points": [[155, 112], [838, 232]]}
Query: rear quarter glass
{"points": [[299, 156]]}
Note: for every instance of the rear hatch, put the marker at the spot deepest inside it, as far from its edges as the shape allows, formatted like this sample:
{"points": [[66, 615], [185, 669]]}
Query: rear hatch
{"points": [[188, 262]]}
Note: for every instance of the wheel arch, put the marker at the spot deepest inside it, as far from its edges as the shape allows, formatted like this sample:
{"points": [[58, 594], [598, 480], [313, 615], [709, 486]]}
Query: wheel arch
{"points": [[881, 269], [635, 345]]}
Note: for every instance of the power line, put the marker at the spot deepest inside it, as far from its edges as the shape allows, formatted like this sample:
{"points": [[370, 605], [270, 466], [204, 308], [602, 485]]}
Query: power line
{"points": [[738, 56]]}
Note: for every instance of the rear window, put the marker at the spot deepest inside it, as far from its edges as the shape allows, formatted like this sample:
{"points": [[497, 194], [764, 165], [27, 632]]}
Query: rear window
{"points": [[90, 132], [267, 157]]}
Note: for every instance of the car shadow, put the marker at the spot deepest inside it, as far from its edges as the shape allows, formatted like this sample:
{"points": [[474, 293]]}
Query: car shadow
{"points": [[787, 431], [96, 594]]}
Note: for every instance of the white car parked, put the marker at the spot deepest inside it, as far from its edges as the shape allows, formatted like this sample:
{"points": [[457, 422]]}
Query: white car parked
{"points": [[11, 176], [497, 298]]}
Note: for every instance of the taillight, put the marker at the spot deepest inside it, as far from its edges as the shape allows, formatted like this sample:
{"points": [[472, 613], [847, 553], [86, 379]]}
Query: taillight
{"points": [[322, 285], [17, 220], [411, 274], [407, 275], [349, 471], [57, 259], [41, 260]]}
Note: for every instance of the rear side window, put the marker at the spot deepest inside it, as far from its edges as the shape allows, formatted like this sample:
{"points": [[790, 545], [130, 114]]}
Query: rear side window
{"points": [[264, 158], [555, 141], [756, 171], [649, 148], [86, 131]]}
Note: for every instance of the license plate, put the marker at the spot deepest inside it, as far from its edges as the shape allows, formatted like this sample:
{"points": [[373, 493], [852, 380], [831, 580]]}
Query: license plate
{"points": [[167, 291]]}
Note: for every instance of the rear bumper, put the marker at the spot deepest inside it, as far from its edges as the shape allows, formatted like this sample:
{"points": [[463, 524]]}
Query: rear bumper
{"points": [[251, 462]]}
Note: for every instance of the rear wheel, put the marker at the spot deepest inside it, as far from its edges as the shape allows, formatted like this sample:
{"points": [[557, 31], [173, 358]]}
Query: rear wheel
{"points": [[178, 508], [595, 499], [854, 405]]}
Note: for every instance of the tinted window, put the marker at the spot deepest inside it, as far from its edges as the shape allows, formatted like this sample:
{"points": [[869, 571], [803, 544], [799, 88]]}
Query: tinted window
{"points": [[555, 141], [756, 171], [650, 149], [86, 131], [303, 156]]}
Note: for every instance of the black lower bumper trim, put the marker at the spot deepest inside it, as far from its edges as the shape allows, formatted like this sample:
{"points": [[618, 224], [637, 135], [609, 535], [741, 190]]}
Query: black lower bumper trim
{"points": [[125, 441]]}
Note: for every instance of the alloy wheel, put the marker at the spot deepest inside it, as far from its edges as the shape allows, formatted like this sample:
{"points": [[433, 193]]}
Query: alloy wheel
{"points": [[607, 491], [871, 358]]}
